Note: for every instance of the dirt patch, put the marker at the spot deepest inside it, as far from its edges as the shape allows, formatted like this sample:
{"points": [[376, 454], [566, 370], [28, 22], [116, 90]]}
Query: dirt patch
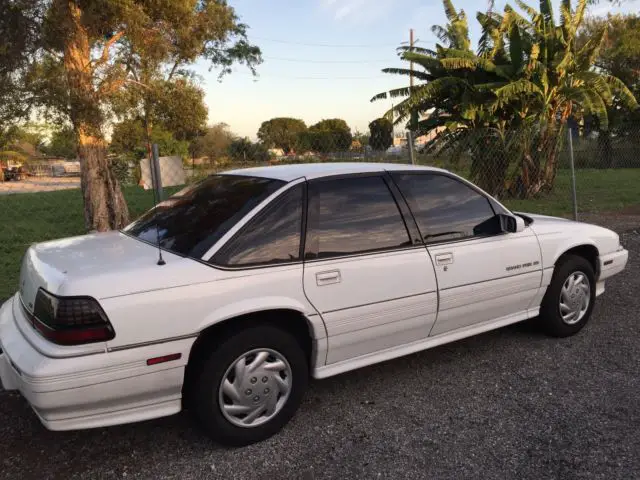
{"points": [[618, 221], [39, 184]]}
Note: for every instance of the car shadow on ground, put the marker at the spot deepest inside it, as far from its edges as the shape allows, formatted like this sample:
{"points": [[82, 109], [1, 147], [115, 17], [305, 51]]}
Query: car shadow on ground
{"points": [[181, 427]]}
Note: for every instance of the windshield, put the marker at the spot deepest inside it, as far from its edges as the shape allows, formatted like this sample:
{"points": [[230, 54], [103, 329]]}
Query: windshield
{"points": [[191, 221]]}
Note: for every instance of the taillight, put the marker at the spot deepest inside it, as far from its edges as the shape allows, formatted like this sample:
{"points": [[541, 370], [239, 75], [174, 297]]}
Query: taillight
{"points": [[70, 320]]}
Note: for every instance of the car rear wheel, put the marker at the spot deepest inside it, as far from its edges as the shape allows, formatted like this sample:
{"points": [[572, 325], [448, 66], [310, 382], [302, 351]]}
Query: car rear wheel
{"points": [[570, 297], [250, 386]]}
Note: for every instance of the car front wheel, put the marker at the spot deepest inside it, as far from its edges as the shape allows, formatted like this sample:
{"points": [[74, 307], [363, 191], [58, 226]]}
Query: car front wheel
{"points": [[250, 386], [570, 297]]}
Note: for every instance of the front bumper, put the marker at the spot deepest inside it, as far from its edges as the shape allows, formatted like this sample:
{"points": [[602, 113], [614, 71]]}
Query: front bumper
{"points": [[613, 263], [105, 388], [610, 264]]}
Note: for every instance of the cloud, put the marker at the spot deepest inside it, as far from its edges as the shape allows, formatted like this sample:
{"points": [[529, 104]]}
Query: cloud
{"points": [[358, 11]]}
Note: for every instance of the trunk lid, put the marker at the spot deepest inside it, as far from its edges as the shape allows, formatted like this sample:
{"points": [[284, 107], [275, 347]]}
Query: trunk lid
{"points": [[98, 265]]}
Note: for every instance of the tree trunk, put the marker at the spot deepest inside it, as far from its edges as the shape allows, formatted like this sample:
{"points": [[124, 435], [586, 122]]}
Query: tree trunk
{"points": [[104, 205]]}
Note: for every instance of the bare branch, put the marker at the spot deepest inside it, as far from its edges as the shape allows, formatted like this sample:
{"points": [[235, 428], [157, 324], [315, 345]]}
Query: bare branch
{"points": [[173, 69], [107, 46], [137, 83]]}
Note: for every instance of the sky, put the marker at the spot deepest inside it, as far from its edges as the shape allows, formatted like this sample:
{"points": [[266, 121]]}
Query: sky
{"points": [[323, 58]]}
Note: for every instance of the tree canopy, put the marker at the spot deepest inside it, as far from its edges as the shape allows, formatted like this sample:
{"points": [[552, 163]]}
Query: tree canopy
{"points": [[620, 52], [281, 132], [78, 56], [214, 143], [129, 140], [62, 143], [331, 134], [381, 136], [244, 150]]}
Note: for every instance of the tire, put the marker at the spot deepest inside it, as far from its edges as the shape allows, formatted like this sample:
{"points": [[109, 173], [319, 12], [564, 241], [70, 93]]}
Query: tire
{"points": [[252, 390], [576, 315]]}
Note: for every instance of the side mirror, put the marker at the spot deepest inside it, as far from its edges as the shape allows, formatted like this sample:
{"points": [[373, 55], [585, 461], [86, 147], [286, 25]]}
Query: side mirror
{"points": [[511, 224]]}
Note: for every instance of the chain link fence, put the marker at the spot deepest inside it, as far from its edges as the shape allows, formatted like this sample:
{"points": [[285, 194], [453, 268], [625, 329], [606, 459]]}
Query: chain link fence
{"points": [[527, 169]]}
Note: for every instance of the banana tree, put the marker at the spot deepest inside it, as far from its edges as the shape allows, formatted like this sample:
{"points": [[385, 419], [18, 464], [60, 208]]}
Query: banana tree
{"points": [[525, 81]]}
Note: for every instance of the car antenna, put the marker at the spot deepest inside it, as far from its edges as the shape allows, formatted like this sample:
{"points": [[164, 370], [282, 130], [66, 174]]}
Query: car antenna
{"points": [[155, 177]]}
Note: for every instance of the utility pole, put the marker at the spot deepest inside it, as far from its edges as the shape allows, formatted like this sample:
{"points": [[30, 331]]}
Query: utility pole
{"points": [[414, 117], [411, 62]]}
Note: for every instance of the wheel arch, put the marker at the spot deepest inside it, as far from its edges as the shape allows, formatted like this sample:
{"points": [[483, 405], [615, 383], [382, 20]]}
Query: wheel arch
{"points": [[587, 251], [307, 329]]}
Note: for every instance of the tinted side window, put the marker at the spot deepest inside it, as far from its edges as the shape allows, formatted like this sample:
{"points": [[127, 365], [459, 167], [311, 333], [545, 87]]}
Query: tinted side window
{"points": [[273, 236], [445, 208], [353, 215], [191, 221]]}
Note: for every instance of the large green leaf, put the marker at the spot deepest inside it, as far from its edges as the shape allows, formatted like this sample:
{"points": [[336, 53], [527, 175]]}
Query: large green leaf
{"points": [[565, 63], [515, 47], [547, 12], [578, 16], [533, 63], [449, 10], [468, 63], [441, 33], [588, 54], [597, 82], [456, 52], [396, 92], [490, 23], [532, 12], [622, 92], [565, 13], [598, 108], [429, 63], [406, 71], [516, 90], [491, 86], [505, 71], [424, 51], [424, 96]]}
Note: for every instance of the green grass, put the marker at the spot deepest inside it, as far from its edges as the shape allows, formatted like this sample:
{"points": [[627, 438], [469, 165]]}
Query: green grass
{"points": [[35, 217], [597, 191]]}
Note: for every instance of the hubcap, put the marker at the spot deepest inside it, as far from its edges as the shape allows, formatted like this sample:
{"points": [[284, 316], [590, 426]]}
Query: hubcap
{"points": [[575, 297], [255, 387]]}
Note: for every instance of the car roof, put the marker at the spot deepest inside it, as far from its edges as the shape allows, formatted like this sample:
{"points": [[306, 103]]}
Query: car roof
{"points": [[291, 172]]}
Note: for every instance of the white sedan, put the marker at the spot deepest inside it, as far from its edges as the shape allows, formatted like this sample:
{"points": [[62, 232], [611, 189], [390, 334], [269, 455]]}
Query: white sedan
{"points": [[227, 297]]}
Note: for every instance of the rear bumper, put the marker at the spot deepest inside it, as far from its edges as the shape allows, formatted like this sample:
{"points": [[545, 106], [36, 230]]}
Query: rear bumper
{"points": [[90, 391]]}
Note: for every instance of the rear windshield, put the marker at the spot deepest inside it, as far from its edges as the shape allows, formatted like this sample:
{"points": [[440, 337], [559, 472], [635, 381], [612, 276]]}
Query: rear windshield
{"points": [[191, 221]]}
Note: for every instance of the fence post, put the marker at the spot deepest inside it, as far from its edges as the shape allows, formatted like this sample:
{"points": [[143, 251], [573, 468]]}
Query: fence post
{"points": [[412, 153], [156, 178], [573, 176]]}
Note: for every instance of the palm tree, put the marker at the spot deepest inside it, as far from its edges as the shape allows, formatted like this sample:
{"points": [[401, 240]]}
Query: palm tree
{"points": [[524, 82]]}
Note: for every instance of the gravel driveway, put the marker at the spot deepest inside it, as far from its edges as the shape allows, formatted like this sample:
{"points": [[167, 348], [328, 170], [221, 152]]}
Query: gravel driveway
{"points": [[507, 404]]}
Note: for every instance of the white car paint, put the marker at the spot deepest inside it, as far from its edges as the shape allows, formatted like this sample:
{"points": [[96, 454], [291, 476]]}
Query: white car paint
{"points": [[360, 310]]}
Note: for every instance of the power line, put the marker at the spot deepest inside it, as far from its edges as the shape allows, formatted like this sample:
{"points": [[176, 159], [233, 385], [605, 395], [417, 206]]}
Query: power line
{"points": [[370, 77], [300, 60], [329, 45]]}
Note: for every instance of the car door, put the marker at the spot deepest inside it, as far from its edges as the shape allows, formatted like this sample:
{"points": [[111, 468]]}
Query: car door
{"points": [[371, 280], [483, 273]]}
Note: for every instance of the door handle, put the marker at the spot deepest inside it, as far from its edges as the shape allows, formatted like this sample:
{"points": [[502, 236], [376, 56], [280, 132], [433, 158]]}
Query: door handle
{"points": [[444, 258], [327, 278]]}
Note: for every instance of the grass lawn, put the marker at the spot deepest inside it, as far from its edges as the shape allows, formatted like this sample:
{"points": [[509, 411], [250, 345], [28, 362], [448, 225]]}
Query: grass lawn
{"points": [[34, 217], [597, 191]]}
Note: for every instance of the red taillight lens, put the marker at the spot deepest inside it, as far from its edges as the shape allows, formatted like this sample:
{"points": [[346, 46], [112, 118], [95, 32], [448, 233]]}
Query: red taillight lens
{"points": [[70, 320]]}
